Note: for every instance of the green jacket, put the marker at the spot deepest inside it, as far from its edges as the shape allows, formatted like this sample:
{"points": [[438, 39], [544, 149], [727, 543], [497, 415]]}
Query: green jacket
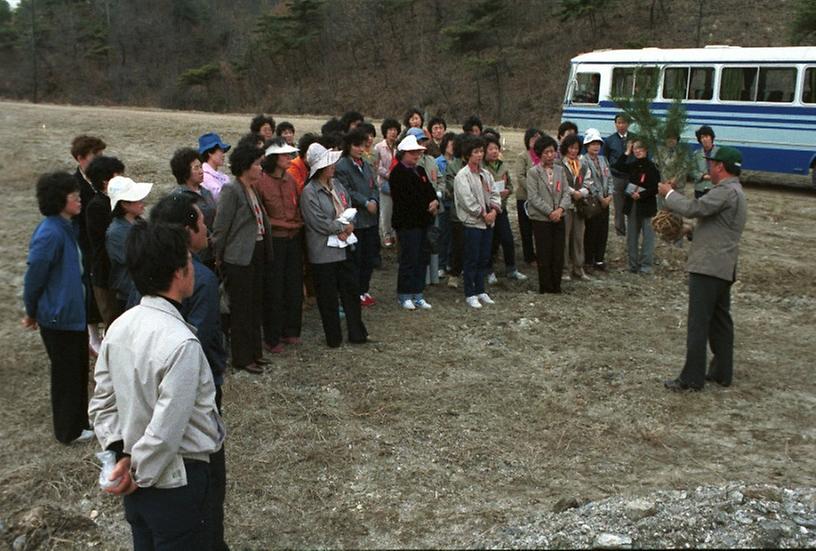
{"points": [[700, 168], [523, 165], [499, 171]]}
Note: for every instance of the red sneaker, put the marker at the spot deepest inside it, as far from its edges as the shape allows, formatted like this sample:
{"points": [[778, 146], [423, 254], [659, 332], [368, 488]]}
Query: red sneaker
{"points": [[367, 300], [292, 340]]}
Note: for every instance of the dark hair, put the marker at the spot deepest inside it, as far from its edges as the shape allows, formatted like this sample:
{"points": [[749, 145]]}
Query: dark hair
{"points": [[369, 129], [389, 123], [568, 142], [472, 121], [242, 157], [355, 137], [259, 121], [118, 210], [637, 142], [332, 126], [437, 120], [528, 135], [491, 132], [446, 139], [102, 169], [270, 162], [623, 116], [410, 113], [490, 138], [458, 142], [565, 126], [469, 145], [305, 141], [543, 143], [253, 139], [330, 141], [177, 207], [705, 130], [53, 190], [350, 117], [282, 126], [153, 253], [180, 164], [83, 145]]}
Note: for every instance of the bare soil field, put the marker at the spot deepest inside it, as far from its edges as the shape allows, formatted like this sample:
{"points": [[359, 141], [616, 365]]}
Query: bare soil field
{"points": [[454, 421]]}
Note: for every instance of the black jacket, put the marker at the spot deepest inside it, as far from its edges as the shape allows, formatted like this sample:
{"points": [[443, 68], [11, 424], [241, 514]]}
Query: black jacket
{"points": [[97, 219], [643, 173], [412, 192]]}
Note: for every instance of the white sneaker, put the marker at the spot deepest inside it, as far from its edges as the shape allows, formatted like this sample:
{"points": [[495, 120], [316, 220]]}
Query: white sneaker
{"points": [[422, 303], [473, 302], [85, 436], [518, 276], [442, 274], [484, 297], [408, 304], [491, 279]]}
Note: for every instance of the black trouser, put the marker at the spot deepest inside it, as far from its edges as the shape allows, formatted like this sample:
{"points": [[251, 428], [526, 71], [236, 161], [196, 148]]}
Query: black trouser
{"points": [[503, 235], [414, 256], [457, 247], [68, 352], [335, 279], [549, 245], [173, 518], [366, 254], [245, 289], [526, 232], [709, 323], [218, 487], [596, 234], [283, 290]]}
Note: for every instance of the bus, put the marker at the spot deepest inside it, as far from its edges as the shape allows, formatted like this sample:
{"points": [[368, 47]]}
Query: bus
{"points": [[759, 100]]}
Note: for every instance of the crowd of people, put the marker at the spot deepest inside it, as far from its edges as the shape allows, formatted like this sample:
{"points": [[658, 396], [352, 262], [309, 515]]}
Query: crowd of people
{"points": [[234, 257]]}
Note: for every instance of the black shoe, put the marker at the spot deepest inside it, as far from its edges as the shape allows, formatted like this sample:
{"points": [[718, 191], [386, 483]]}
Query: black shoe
{"points": [[676, 385], [711, 378]]}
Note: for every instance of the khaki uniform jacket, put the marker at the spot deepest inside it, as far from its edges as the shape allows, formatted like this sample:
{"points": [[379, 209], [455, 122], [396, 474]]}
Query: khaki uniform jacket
{"points": [[155, 393], [524, 164], [542, 198], [722, 213]]}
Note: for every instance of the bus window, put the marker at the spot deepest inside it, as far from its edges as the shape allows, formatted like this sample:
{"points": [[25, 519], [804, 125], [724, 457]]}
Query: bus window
{"points": [[587, 88], [623, 82], [627, 81], [675, 83], [776, 84], [809, 88], [739, 84], [701, 83]]}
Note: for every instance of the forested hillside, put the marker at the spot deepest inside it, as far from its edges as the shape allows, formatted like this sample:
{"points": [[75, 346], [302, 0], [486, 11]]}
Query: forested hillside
{"points": [[506, 60]]}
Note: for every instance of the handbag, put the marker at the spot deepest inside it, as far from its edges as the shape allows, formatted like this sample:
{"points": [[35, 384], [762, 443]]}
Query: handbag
{"points": [[589, 206]]}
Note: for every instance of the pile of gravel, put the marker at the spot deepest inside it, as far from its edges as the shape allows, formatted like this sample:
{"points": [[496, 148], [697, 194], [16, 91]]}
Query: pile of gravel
{"points": [[733, 516]]}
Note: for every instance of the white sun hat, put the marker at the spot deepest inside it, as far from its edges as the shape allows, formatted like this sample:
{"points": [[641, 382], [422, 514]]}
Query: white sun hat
{"points": [[122, 188], [319, 157], [592, 135], [409, 143]]}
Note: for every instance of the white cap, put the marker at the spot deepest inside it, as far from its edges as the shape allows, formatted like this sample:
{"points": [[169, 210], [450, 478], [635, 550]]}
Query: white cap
{"points": [[276, 149], [409, 143], [121, 188]]}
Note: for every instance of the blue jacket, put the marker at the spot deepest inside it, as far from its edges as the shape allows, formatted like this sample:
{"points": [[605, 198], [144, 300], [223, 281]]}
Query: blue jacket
{"points": [[54, 288], [115, 242], [614, 147]]}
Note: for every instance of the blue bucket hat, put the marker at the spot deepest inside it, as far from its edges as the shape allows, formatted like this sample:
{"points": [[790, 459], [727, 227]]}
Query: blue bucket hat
{"points": [[210, 140], [418, 133]]}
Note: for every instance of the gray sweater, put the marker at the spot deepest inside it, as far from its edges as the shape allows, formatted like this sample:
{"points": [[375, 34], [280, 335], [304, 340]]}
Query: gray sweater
{"points": [[320, 220]]}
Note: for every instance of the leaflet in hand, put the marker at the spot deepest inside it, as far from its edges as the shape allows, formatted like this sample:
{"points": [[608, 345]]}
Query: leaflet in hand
{"points": [[632, 188], [348, 215], [498, 186], [338, 243]]}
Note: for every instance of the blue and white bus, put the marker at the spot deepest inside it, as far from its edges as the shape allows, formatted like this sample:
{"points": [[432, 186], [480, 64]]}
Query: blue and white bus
{"points": [[760, 100]]}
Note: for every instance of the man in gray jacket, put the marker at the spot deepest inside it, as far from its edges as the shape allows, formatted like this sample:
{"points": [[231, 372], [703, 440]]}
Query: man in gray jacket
{"points": [[712, 267], [154, 401]]}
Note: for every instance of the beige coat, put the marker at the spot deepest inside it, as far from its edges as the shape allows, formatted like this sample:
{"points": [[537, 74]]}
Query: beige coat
{"points": [[543, 198], [472, 201]]}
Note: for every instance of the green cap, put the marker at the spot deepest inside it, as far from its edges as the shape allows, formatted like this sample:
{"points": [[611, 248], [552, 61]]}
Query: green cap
{"points": [[725, 154]]}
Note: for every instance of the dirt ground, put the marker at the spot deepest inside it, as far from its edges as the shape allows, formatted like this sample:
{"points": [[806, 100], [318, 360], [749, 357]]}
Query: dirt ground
{"points": [[454, 420]]}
